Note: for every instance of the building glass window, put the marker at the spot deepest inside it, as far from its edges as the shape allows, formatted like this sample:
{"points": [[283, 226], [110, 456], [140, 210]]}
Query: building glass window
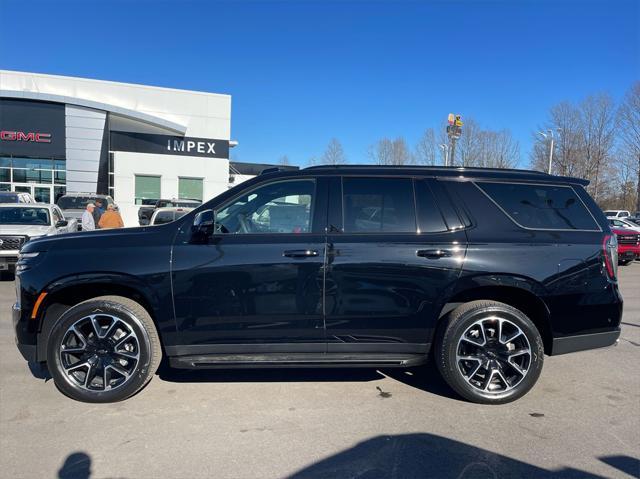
{"points": [[147, 188], [35, 176], [190, 189]]}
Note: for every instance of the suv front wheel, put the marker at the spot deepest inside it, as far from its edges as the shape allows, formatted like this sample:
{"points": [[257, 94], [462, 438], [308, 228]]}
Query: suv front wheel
{"points": [[103, 350], [489, 352]]}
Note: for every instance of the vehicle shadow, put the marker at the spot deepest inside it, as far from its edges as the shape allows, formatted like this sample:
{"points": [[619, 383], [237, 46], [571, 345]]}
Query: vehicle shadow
{"points": [[425, 378], [431, 456], [260, 375]]}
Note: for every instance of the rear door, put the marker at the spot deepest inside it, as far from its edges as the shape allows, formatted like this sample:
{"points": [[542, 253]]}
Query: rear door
{"points": [[391, 259]]}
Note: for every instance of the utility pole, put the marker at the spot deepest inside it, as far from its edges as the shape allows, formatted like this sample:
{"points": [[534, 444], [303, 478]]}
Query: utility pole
{"points": [[549, 135], [445, 150], [454, 131]]}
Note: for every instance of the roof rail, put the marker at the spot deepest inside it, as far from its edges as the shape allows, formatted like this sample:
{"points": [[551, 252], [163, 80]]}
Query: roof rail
{"points": [[428, 167], [271, 170]]}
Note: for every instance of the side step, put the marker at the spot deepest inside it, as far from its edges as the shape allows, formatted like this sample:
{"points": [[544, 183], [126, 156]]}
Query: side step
{"points": [[296, 360]]}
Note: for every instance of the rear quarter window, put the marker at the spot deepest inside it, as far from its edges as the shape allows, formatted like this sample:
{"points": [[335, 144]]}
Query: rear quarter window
{"points": [[550, 207]]}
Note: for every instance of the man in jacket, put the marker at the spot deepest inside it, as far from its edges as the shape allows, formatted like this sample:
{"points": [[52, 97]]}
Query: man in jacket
{"points": [[88, 224], [111, 219]]}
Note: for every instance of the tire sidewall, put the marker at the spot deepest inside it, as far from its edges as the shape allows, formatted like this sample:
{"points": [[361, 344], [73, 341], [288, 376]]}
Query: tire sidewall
{"points": [[449, 350], [65, 384]]}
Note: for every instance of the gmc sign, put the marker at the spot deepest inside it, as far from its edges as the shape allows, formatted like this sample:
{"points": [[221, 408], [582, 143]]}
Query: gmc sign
{"points": [[35, 136], [32, 129]]}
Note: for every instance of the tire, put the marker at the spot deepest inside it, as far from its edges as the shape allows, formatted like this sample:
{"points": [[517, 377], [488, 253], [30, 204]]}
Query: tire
{"points": [[469, 366], [112, 337], [624, 263]]}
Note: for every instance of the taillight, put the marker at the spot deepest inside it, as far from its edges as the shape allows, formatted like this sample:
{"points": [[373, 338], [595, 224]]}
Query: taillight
{"points": [[610, 253]]}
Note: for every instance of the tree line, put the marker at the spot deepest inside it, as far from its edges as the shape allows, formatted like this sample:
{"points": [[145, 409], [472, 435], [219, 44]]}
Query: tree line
{"points": [[594, 138], [599, 140]]}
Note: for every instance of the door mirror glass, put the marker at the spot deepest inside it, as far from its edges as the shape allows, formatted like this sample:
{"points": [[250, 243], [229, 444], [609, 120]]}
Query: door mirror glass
{"points": [[61, 223]]}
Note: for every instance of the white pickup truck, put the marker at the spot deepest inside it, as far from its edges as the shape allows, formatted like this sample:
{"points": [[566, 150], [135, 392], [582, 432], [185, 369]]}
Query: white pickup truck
{"points": [[20, 222]]}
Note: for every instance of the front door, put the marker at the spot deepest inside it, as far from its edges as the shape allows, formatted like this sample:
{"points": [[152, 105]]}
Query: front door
{"points": [[391, 260], [40, 193], [254, 284]]}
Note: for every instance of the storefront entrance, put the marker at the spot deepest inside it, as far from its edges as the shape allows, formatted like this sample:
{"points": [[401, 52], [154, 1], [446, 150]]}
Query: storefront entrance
{"points": [[41, 193]]}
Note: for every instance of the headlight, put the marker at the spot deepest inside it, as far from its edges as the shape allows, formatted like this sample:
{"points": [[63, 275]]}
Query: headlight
{"points": [[25, 260]]}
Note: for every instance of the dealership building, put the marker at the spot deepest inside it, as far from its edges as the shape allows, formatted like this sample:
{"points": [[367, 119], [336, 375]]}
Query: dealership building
{"points": [[136, 143]]}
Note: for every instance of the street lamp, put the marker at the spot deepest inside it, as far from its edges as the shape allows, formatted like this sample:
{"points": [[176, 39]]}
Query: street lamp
{"points": [[549, 134], [445, 149]]}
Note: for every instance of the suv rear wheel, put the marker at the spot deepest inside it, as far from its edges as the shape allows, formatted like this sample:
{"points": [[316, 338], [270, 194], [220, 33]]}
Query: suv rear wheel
{"points": [[489, 352], [103, 350]]}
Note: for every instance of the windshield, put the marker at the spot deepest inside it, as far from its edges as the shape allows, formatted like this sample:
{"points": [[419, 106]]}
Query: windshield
{"points": [[24, 216], [80, 202]]}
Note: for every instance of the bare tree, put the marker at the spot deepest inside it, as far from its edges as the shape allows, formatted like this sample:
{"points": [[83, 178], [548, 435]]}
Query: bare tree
{"points": [[391, 152], [629, 119], [284, 160], [427, 148], [334, 154]]}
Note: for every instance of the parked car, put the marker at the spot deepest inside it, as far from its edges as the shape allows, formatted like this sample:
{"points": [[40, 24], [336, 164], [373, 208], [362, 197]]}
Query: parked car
{"points": [[628, 244], [145, 212], [21, 222], [74, 204], [352, 266], [622, 222], [617, 213], [15, 197], [167, 215]]}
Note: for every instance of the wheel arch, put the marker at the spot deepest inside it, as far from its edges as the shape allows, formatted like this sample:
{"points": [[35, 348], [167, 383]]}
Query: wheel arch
{"points": [[523, 298], [65, 293]]}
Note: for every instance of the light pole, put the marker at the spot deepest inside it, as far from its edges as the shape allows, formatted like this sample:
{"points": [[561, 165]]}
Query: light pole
{"points": [[445, 149], [549, 134]]}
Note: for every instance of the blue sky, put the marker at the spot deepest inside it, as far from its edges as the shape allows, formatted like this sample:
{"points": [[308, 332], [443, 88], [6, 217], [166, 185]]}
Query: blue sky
{"points": [[303, 72]]}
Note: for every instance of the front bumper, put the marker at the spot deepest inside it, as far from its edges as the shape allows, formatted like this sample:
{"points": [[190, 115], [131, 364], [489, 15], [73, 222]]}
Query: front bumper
{"points": [[28, 351], [582, 342]]}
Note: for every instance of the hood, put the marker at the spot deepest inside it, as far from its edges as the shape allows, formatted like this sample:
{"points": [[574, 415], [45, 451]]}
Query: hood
{"points": [[77, 214], [25, 230], [625, 231], [101, 240]]}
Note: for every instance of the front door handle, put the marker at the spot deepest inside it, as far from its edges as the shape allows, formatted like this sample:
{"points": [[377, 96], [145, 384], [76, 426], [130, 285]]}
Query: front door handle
{"points": [[300, 253], [434, 253]]}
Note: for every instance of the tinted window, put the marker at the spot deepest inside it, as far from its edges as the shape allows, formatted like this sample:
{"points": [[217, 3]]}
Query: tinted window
{"points": [[541, 206], [374, 205], [281, 207], [163, 217], [75, 202], [429, 217]]}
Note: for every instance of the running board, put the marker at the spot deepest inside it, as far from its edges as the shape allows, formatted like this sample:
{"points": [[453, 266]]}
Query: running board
{"points": [[296, 360]]}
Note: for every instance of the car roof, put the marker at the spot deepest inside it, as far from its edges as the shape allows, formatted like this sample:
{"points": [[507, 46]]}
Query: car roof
{"points": [[26, 205], [172, 208], [93, 195], [417, 170]]}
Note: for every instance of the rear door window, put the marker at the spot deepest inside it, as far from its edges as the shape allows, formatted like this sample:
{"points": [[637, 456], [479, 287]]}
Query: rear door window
{"points": [[378, 205], [430, 218], [549, 207]]}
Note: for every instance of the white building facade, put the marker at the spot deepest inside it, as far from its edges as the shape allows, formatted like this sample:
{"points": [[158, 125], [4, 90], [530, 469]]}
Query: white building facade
{"points": [[136, 143]]}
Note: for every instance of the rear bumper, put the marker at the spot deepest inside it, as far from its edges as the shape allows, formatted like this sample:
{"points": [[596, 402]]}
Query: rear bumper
{"points": [[582, 342]]}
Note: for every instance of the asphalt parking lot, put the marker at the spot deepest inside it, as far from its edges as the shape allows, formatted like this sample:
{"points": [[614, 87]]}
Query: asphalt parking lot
{"points": [[581, 420]]}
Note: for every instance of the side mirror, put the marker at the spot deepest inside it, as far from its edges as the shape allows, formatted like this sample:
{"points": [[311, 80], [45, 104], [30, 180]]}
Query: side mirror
{"points": [[203, 223], [61, 223]]}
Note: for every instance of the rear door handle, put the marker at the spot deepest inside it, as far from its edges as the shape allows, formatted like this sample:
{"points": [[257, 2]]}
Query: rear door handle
{"points": [[300, 253], [434, 253]]}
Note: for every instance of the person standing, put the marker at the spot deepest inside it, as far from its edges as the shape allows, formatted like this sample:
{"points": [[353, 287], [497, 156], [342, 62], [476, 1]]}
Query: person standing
{"points": [[98, 212], [111, 219], [88, 223]]}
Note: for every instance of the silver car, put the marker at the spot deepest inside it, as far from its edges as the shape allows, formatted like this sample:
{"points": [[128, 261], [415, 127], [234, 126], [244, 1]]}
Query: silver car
{"points": [[22, 221]]}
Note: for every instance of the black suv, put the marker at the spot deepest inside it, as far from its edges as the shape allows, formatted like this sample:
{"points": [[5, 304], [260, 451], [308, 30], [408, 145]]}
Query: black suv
{"points": [[332, 266]]}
